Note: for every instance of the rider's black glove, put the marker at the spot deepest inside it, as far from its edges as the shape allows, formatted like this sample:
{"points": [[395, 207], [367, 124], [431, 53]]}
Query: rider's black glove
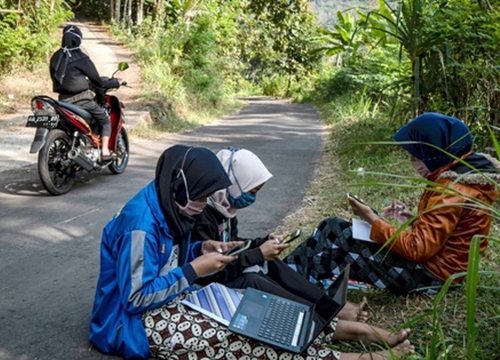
{"points": [[112, 83]]}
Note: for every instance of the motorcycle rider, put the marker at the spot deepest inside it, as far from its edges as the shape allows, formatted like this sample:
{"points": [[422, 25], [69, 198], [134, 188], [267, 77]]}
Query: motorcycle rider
{"points": [[70, 71]]}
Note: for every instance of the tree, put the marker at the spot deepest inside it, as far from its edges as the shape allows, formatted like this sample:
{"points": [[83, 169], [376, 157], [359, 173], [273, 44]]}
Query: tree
{"points": [[116, 10], [277, 39], [140, 12]]}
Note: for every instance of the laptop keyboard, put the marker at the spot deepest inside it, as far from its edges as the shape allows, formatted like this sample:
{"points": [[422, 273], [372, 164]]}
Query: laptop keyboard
{"points": [[282, 322]]}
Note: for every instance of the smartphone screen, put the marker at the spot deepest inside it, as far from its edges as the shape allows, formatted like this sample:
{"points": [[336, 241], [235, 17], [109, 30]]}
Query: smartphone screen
{"points": [[292, 236], [237, 250]]}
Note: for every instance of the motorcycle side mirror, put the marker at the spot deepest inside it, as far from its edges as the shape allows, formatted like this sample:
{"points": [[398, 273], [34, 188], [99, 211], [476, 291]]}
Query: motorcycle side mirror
{"points": [[121, 67]]}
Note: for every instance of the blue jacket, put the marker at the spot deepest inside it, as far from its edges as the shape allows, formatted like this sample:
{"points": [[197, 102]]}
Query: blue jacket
{"points": [[136, 275]]}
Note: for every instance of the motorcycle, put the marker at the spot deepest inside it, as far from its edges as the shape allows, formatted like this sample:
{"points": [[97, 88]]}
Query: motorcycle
{"points": [[67, 143]]}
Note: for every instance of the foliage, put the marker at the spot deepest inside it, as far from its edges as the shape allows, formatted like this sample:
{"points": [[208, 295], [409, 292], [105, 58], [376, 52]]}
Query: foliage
{"points": [[27, 38], [276, 43], [345, 39], [462, 71], [432, 55], [208, 51], [94, 8], [403, 24], [327, 10], [191, 61], [267, 43]]}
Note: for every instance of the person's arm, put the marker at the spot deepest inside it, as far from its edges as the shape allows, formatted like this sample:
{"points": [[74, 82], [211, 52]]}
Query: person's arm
{"points": [[430, 230], [194, 250], [253, 256], [88, 68], [143, 285]]}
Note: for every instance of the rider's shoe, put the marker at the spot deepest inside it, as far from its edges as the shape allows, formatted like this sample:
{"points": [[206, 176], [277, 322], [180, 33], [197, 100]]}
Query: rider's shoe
{"points": [[111, 156]]}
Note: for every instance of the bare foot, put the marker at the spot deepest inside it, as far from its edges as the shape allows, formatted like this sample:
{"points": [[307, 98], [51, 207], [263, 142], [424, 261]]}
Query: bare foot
{"points": [[385, 337], [354, 330], [354, 312], [398, 351]]}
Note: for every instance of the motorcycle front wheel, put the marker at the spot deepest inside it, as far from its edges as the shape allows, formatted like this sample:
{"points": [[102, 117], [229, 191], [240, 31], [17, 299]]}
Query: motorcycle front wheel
{"points": [[122, 153], [57, 172]]}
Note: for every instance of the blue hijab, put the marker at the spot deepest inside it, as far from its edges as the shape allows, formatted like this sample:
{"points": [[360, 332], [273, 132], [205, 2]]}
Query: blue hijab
{"points": [[444, 132]]}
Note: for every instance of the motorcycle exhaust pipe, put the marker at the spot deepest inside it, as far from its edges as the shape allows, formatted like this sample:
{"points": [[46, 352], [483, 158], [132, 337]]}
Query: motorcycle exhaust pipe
{"points": [[77, 156]]}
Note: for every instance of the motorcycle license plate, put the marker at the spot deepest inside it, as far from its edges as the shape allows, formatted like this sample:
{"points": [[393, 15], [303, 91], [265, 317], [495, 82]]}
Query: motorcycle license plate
{"points": [[42, 121]]}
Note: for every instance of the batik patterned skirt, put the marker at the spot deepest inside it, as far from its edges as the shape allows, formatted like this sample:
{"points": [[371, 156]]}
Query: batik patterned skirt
{"points": [[176, 332]]}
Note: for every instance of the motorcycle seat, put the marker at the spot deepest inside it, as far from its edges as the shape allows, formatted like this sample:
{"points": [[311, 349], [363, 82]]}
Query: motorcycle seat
{"points": [[77, 110]]}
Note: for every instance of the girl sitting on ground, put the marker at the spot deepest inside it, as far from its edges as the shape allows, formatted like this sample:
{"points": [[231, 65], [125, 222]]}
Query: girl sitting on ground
{"points": [[453, 208]]}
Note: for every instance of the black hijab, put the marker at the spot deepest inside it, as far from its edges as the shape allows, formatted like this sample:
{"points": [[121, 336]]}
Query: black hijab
{"points": [[204, 175], [71, 41]]}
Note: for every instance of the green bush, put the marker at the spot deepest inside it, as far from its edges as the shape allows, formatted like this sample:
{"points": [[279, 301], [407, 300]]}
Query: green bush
{"points": [[27, 38]]}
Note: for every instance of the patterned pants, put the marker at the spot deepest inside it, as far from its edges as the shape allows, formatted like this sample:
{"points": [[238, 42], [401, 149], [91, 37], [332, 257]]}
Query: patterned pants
{"points": [[176, 333], [331, 246]]}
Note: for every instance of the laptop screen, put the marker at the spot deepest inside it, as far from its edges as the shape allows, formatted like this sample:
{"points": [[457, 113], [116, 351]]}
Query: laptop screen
{"points": [[330, 303]]}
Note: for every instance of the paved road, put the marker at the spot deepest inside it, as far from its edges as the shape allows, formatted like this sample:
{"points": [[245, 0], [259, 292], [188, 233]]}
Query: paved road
{"points": [[49, 246]]}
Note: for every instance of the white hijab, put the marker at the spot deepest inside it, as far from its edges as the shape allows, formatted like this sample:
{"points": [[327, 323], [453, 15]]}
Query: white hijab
{"points": [[250, 172]]}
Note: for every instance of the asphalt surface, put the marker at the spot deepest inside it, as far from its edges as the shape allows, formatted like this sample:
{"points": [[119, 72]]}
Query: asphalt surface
{"points": [[49, 246]]}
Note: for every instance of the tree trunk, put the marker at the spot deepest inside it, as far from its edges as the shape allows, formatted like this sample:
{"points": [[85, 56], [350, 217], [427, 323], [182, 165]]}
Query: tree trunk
{"points": [[140, 14], [111, 10], [118, 6], [154, 10], [127, 13]]}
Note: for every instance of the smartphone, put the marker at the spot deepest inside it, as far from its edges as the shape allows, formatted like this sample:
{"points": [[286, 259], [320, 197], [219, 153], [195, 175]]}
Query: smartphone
{"points": [[362, 202], [292, 236], [239, 249]]}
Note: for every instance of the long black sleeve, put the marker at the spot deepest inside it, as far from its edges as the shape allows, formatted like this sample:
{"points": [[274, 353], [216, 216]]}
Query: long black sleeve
{"points": [[210, 225]]}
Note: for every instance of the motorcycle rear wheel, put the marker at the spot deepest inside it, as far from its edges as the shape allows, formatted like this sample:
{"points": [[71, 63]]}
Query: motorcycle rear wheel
{"points": [[122, 153], [57, 172]]}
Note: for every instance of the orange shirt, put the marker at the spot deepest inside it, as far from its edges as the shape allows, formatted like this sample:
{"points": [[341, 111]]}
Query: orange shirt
{"points": [[440, 237]]}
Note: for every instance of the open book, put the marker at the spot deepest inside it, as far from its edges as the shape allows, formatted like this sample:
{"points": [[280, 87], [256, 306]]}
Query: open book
{"points": [[361, 230], [215, 301]]}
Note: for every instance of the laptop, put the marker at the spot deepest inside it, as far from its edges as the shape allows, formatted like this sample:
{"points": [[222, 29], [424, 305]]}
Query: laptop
{"points": [[287, 324]]}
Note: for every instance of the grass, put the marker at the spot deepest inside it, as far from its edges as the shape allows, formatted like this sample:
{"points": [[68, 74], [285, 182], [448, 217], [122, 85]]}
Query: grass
{"points": [[17, 88], [167, 120], [168, 91], [350, 120]]}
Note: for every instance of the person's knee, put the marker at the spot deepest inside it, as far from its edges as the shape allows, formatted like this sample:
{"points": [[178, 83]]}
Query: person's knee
{"points": [[250, 280]]}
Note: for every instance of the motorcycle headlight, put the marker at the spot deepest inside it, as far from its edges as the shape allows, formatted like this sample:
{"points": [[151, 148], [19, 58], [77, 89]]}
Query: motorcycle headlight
{"points": [[40, 107]]}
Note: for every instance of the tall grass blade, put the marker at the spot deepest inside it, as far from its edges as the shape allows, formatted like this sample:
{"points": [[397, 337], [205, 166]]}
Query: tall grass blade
{"points": [[472, 281]]}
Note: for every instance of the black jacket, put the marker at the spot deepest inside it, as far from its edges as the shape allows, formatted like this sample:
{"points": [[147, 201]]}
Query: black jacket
{"points": [[79, 69], [210, 225]]}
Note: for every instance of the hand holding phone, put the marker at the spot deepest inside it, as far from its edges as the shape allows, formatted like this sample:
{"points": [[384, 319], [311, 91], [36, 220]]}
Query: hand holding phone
{"points": [[292, 236], [238, 249], [361, 202]]}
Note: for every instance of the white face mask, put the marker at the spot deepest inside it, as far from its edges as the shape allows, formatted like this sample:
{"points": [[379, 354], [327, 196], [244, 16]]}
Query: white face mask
{"points": [[420, 167], [192, 208]]}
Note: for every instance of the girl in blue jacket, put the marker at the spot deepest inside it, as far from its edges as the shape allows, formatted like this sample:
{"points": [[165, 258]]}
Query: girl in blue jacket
{"points": [[148, 263]]}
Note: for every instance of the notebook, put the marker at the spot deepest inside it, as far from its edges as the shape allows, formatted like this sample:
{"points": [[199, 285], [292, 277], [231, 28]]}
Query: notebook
{"points": [[287, 324], [215, 301], [361, 230]]}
